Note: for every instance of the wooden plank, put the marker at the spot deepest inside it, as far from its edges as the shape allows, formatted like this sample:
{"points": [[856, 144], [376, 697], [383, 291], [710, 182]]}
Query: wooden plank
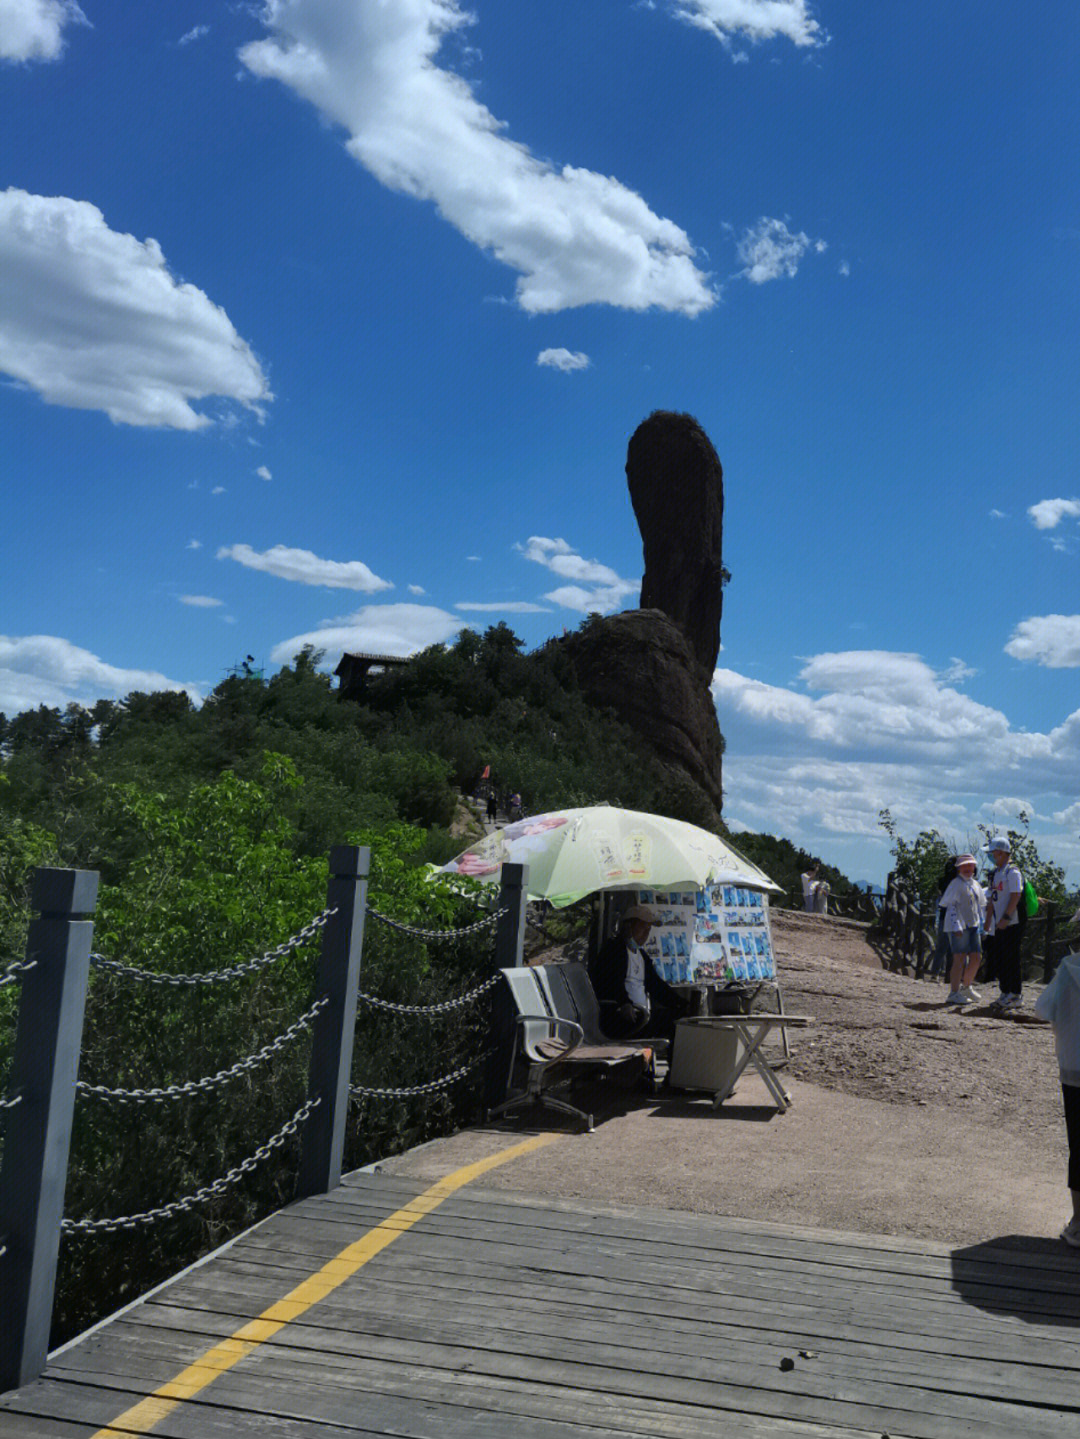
{"points": [[408, 1317], [810, 1321], [468, 1373], [861, 1250], [712, 1246], [259, 1408], [615, 1259]]}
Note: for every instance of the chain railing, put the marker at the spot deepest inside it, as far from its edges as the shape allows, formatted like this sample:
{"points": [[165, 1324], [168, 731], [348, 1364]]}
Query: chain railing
{"points": [[217, 976], [13, 972], [208, 1191], [360, 1091], [48, 1042], [211, 1081], [434, 935]]}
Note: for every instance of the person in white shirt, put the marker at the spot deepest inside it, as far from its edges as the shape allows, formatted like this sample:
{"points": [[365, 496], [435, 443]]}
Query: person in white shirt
{"points": [[1003, 923], [633, 998], [964, 902], [1060, 1004]]}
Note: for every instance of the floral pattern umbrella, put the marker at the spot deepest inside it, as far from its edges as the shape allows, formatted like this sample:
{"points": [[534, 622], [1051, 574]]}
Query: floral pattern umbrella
{"points": [[575, 852]]}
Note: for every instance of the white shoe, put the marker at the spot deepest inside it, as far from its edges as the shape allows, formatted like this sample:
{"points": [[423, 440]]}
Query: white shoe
{"points": [[1010, 1001], [1071, 1233], [959, 996], [971, 992]]}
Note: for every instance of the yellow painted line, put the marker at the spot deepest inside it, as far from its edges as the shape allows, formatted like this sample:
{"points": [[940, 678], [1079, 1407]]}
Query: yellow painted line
{"points": [[142, 1417]]}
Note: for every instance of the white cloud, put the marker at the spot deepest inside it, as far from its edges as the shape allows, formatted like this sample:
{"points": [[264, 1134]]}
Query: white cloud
{"points": [[844, 268], [998, 515], [565, 360], [1050, 640], [200, 602], [197, 32], [575, 237], [263, 473], [376, 629], [92, 319], [193, 545], [1048, 514], [34, 29], [306, 568], [417, 590], [473, 559], [769, 251], [510, 607], [866, 730], [608, 589], [218, 490], [46, 670], [753, 20]]}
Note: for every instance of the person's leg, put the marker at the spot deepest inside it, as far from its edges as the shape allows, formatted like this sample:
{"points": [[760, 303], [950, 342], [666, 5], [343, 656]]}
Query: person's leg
{"points": [[1070, 1095], [956, 971], [971, 969], [1009, 967]]}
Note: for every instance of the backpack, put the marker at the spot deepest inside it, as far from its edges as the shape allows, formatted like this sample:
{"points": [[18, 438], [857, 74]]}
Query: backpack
{"points": [[1028, 903]]}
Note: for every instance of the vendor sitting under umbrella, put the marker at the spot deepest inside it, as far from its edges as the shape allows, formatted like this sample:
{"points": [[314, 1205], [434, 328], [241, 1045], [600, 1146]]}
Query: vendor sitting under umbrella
{"points": [[633, 998]]}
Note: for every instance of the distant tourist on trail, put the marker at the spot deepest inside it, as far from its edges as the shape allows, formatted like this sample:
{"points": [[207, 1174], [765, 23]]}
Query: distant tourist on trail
{"points": [[939, 963], [965, 903], [633, 998], [513, 807], [1003, 923], [1060, 1004], [809, 886], [492, 807]]}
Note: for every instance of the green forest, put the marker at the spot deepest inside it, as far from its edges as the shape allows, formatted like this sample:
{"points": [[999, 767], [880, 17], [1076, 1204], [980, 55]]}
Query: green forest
{"points": [[210, 826]]}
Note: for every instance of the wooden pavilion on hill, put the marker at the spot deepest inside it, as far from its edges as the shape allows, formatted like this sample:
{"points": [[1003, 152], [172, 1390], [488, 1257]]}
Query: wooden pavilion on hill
{"points": [[353, 670]]}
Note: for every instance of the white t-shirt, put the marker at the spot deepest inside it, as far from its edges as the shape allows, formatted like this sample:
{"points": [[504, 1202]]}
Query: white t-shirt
{"points": [[964, 903], [1004, 883], [635, 976]]}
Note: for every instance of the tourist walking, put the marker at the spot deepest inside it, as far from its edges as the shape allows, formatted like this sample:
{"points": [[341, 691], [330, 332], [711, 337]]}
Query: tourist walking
{"points": [[809, 887], [940, 961], [1003, 921], [965, 904], [1060, 1004]]}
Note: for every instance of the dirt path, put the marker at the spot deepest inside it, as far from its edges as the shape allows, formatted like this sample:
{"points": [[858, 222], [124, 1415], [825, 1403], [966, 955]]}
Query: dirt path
{"points": [[909, 1117]]}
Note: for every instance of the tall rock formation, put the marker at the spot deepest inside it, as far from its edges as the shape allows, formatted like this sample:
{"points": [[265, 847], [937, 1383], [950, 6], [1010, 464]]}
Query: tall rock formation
{"points": [[653, 666], [677, 491]]}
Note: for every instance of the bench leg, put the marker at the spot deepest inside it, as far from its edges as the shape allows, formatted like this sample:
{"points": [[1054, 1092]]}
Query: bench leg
{"points": [[545, 1101]]}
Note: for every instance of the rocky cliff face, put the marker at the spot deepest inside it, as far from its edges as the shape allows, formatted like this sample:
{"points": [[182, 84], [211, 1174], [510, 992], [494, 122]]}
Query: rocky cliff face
{"points": [[653, 666], [640, 665]]}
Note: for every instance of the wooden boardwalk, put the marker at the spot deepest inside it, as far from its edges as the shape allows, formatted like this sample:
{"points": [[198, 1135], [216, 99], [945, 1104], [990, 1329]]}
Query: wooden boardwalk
{"points": [[484, 1315]]}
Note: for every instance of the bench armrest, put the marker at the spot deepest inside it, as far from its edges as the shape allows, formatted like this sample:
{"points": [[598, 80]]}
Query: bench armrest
{"points": [[554, 1023]]}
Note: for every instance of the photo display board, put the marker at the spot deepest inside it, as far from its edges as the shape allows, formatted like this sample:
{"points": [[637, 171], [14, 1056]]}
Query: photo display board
{"points": [[716, 935]]}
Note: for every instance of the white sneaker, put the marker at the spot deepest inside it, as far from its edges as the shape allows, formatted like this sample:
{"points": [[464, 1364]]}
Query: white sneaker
{"points": [[1071, 1233], [959, 996], [1010, 1001], [971, 993]]}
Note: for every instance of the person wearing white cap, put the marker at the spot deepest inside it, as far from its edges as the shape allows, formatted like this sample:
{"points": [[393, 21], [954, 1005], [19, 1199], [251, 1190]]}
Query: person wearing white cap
{"points": [[964, 901], [633, 998], [1003, 923]]}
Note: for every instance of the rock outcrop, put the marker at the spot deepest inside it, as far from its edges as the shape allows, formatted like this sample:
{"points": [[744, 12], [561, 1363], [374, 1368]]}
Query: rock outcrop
{"points": [[653, 666], [640, 665], [677, 490]]}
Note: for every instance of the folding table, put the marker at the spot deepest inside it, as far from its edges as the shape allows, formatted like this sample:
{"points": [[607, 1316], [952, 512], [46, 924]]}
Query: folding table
{"points": [[731, 1060]]}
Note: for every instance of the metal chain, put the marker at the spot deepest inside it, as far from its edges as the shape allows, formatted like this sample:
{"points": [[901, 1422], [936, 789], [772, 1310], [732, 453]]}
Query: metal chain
{"points": [[452, 934], [12, 971], [208, 1191], [359, 1091], [217, 976], [444, 1008], [210, 1081]]}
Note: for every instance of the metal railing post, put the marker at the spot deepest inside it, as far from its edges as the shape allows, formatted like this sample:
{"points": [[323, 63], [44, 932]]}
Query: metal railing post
{"points": [[510, 930], [37, 1132], [323, 1145]]}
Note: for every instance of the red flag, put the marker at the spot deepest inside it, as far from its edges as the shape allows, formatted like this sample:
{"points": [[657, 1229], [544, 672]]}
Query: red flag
{"points": [[487, 772]]}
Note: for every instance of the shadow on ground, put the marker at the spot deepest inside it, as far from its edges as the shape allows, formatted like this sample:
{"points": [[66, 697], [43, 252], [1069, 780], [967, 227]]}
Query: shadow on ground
{"points": [[1032, 1278]]}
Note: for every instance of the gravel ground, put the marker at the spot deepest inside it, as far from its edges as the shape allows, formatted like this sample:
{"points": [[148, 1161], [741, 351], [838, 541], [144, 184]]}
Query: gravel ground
{"points": [[909, 1118]]}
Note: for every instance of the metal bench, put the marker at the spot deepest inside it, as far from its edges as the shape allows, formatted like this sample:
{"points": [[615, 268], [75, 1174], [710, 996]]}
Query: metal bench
{"points": [[557, 1037]]}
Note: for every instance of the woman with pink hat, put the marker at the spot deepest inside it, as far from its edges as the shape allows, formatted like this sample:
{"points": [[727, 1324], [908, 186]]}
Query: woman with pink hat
{"points": [[964, 902]]}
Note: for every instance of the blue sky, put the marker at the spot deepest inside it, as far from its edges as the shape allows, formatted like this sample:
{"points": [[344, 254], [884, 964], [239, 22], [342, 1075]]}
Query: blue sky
{"points": [[330, 320]]}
